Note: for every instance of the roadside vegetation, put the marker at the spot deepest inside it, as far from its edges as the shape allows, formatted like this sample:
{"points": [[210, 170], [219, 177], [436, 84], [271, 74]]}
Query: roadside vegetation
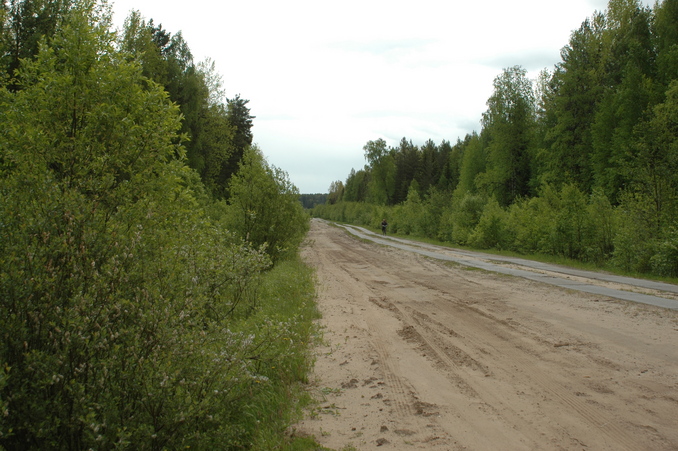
{"points": [[580, 164], [151, 296]]}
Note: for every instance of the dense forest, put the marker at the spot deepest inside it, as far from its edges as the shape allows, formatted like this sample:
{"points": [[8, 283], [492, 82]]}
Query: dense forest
{"points": [[581, 162], [311, 200], [151, 296]]}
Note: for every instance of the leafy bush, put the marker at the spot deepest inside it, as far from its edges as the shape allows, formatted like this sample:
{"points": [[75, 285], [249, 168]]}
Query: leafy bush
{"points": [[665, 261], [467, 215], [129, 316], [635, 240], [265, 208], [570, 225], [530, 221], [602, 229], [491, 230]]}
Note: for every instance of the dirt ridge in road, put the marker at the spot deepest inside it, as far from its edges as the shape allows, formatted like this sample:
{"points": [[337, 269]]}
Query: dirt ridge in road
{"points": [[421, 355], [660, 294]]}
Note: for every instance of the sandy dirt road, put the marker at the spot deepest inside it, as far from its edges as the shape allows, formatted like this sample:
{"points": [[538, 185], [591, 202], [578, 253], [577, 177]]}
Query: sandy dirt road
{"points": [[420, 354]]}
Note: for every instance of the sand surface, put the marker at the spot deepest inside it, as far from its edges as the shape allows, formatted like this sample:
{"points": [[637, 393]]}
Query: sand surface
{"points": [[423, 354]]}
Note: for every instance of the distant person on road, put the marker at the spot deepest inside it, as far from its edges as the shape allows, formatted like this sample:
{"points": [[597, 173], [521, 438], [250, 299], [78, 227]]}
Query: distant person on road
{"points": [[383, 226]]}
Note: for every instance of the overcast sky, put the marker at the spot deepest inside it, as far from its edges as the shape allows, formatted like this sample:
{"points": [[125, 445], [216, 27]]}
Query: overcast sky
{"points": [[323, 78]]}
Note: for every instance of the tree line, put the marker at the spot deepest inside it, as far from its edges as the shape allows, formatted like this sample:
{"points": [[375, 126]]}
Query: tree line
{"points": [[581, 162], [150, 294]]}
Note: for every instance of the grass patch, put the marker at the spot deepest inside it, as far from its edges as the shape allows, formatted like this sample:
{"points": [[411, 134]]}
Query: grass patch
{"points": [[287, 307]]}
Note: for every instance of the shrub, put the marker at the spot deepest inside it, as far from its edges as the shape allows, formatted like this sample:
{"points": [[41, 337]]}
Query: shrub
{"points": [[665, 261], [467, 214], [264, 207], [490, 232], [125, 308], [635, 241], [570, 226]]}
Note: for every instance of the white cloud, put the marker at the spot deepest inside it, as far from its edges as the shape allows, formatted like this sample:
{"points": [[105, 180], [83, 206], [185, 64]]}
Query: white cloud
{"points": [[324, 78]]}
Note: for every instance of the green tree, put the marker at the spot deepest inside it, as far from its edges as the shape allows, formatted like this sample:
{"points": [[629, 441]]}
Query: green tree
{"points": [[214, 131], [665, 36], [509, 124], [239, 118], [629, 70], [84, 146], [336, 192], [490, 232], [264, 207], [578, 89], [116, 291], [655, 166], [451, 158], [24, 24], [429, 170], [406, 158], [382, 168], [545, 122], [356, 186], [473, 163]]}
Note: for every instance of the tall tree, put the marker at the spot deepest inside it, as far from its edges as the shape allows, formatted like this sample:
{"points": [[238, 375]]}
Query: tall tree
{"points": [[213, 130], [336, 192], [450, 163], [24, 24], [665, 35], [85, 146], [407, 162], [264, 205], [239, 118], [509, 126], [429, 169], [579, 88], [473, 163], [655, 166], [356, 186], [545, 122], [381, 165], [629, 70]]}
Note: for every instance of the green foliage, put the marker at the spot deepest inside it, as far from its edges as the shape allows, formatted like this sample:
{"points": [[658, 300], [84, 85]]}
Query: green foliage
{"points": [[655, 162], [635, 241], [264, 207], [407, 158], [311, 200], [381, 188], [570, 223], [531, 221], [216, 132], [602, 228], [239, 117], [473, 163], [430, 220], [665, 261], [406, 217], [578, 88], [581, 163], [130, 317], [490, 232], [287, 318], [336, 192], [508, 125], [466, 216], [23, 25], [355, 189]]}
